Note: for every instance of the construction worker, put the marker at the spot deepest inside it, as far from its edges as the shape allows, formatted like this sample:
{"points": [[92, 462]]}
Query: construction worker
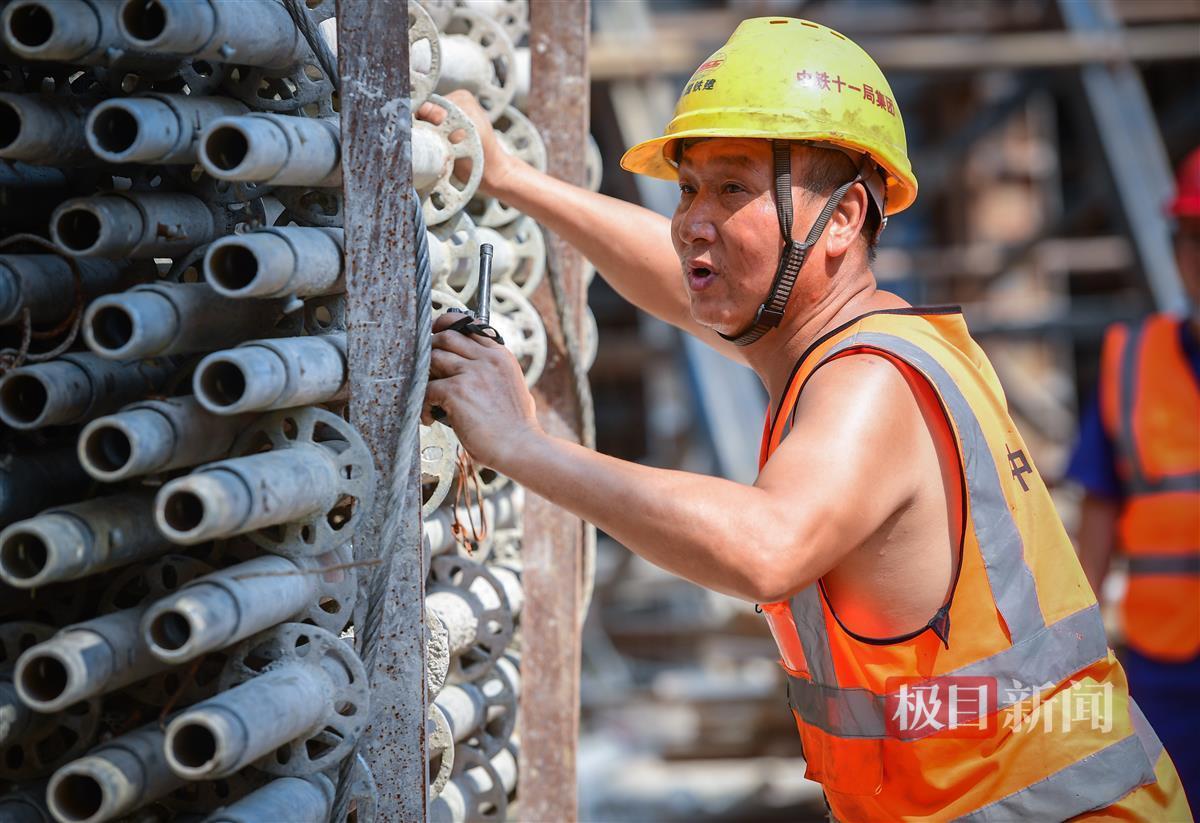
{"points": [[1138, 460], [944, 654]]}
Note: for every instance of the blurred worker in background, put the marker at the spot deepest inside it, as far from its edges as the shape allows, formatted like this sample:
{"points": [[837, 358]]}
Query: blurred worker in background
{"points": [[1138, 460], [944, 654]]}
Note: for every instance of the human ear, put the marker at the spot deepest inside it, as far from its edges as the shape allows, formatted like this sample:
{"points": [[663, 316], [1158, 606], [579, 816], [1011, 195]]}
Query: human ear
{"points": [[847, 221]]}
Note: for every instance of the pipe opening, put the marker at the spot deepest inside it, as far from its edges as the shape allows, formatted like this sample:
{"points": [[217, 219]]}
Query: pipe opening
{"points": [[226, 147], [170, 631], [10, 124], [144, 20], [78, 229], [23, 555], [31, 25], [108, 448], [23, 398], [193, 746], [44, 678], [78, 797], [232, 266], [183, 511], [112, 327], [115, 129], [222, 383]]}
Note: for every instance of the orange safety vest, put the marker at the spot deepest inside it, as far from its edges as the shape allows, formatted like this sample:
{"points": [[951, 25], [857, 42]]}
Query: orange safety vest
{"points": [[1021, 618], [1150, 405]]}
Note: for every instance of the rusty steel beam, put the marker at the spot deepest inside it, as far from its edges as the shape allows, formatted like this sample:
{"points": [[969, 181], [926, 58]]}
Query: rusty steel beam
{"points": [[381, 293], [549, 722]]}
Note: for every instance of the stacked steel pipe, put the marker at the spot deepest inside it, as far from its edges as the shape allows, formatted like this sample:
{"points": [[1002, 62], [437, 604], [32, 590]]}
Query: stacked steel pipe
{"points": [[179, 484]]}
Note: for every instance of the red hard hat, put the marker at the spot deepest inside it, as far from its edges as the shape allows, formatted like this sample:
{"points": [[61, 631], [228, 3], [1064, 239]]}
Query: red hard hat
{"points": [[1187, 188]]}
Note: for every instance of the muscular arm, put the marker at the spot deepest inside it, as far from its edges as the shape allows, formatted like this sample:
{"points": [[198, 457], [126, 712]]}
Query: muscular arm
{"points": [[629, 245], [1097, 538], [833, 482]]}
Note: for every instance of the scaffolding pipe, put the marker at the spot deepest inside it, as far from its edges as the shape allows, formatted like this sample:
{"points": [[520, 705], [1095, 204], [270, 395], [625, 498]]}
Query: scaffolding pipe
{"points": [[247, 493], [278, 149], [478, 793], [294, 799], [113, 779], [272, 374], [45, 131], [131, 224], [87, 659], [156, 436], [65, 31], [221, 608], [80, 539], [26, 805], [257, 33], [75, 388], [276, 262], [45, 283], [154, 128], [232, 730], [172, 318]]}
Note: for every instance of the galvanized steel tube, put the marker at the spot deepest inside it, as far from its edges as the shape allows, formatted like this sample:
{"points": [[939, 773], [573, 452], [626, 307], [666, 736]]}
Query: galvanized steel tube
{"points": [[154, 436], [132, 224], [430, 156], [272, 374], [273, 148], [294, 799], [172, 318], [222, 608], [276, 262], [45, 284], [80, 539], [245, 32], [15, 716], [43, 130], [113, 779], [75, 388], [68, 31], [154, 128], [247, 493], [31, 482], [83, 660], [232, 730]]}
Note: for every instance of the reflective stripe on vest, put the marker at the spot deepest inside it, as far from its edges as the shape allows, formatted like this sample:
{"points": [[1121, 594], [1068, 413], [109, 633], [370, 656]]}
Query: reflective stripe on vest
{"points": [[1164, 564], [1050, 656]]}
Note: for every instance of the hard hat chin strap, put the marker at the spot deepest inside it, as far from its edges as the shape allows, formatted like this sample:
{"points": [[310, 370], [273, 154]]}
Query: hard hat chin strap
{"points": [[770, 313]]}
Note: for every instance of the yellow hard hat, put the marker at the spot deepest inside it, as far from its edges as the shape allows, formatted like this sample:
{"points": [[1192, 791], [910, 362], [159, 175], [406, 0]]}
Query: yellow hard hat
{"points": [[781, 78]]}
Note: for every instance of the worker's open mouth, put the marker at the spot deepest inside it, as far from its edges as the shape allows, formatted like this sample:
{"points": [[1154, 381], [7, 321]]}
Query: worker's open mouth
{"points": [[700, 277]]}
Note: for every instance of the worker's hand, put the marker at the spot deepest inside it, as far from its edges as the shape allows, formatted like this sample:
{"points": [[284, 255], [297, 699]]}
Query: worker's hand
{"points": [[497, 163], [479, 385]]}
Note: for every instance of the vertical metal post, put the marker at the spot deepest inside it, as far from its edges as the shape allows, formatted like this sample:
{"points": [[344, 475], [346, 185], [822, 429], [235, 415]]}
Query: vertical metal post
{"points": [[380, 230], [558, 106]]}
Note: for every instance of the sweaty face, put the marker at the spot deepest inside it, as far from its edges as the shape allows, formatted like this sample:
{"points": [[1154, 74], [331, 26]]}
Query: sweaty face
{"points": [[725, 229]]}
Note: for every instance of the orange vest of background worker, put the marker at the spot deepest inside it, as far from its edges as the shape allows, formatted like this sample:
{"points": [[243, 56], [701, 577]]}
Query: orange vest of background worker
{"points": [[1008, 704], [1138, 460], [1150, 406]]}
